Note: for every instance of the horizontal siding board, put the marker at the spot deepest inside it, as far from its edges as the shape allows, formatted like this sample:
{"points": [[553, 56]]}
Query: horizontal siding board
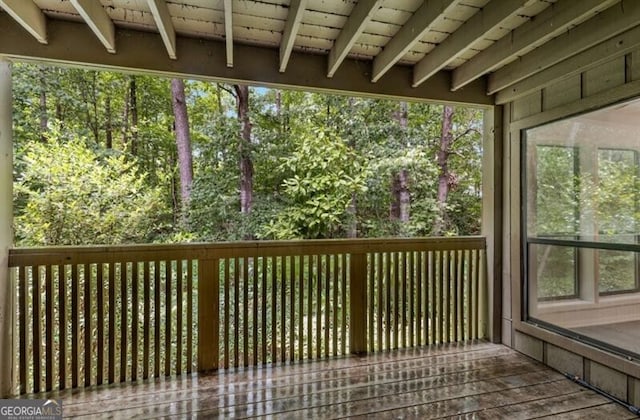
{"points": [[604, 77], [527, 106], [561, 93]]}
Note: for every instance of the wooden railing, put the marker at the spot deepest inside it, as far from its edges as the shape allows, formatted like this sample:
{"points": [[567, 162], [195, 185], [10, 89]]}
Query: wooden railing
{"points": [[94, 315]]}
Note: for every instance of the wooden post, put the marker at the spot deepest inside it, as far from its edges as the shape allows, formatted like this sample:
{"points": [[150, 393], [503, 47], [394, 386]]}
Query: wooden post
{"points": [[7, 288], [208, 314], [492, 223], [358, 304]]}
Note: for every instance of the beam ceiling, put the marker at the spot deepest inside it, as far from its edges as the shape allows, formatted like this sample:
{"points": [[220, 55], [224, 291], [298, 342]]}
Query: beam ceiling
{"points": [[98, 20], [161, 15], [29, 16], [360, 16], [460, 51], [409, 35], [291, 27]]}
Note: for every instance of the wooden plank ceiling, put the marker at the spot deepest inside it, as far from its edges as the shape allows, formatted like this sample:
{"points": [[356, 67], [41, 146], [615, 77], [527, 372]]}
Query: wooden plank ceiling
{"points": [[497, 43]]}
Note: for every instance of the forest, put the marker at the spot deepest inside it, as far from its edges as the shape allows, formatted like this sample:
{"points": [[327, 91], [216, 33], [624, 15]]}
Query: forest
{"points": [[111, 158]]}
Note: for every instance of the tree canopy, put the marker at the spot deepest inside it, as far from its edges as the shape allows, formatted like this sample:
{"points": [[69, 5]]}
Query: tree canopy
{"points": [[101, 158]]}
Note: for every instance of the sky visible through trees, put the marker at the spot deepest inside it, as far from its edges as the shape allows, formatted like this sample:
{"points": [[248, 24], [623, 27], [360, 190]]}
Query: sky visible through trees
{"points": [[105, 158]]}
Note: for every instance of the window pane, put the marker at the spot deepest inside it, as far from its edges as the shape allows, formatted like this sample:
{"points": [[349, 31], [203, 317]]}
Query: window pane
{"points": [[556, 194], [617, 271], [553, 270]]}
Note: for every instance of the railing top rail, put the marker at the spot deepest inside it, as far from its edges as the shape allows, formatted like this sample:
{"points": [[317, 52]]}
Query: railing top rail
{"points": [[150, 252]]}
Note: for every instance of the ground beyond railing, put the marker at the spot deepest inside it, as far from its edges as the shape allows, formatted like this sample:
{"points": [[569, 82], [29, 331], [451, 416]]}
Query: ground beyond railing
{"points": [[96, 315]]}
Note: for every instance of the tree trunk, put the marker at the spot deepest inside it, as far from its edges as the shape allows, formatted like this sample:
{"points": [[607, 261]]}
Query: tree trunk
{"points": [[183, 140], [352, 209], [124, 129], [133, 108], [444, 179], [108, 123], [44, 120], [400, 195], [246, 164]]}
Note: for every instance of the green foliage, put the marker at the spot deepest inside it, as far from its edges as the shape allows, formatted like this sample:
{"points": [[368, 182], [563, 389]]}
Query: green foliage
{"points": [[75, 196], [311, 154], [323, 174]]}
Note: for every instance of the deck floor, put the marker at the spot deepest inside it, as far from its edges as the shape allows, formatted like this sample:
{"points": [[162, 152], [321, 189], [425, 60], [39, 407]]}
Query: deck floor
{"points": [[478, 380]]}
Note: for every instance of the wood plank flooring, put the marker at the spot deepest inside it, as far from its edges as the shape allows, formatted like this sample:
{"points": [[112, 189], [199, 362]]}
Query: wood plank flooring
{"points": [[473, 380]]}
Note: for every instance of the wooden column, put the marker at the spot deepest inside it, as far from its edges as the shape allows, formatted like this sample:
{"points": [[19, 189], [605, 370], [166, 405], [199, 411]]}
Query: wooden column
{"points": [[208, 314], [358, 303], [492, 222], [6, 234]]}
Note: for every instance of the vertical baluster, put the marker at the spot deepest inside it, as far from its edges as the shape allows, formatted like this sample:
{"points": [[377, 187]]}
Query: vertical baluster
{"points": [[460, 268], [441, 296], [424, 256], [157, 314], [402, 274], [344, 303], [388, 305], [301, 262], [476, 294], [396, 299], [446, 301], [454, 294], [468, 289], [292, 307], [88, 356], [255, 310], [168, 279], [124, 319], [412, 296], [418, 268], [48, 328], [100, 324], [190, 273], [135, 281], [327, 302], [274, 307], [22, 306], [309, 306], [334, 282], [179, 315], [380, 289], [245, 310], [371, 306], [264, 294], [146, 326], [236, 311], [112, 324], [318, 312], [37, 336], [62, 326], [75, 336], [283, 308], [227, 321], [432, 296]]}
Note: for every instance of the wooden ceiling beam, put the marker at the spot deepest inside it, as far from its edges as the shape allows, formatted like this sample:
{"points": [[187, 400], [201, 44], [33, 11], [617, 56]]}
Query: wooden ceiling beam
{"points": [[602, 53], [203, 59], [291, 27], [490, 17], [360, 16], [228, 31], [29, 16], [98, 20], [410, 33], [161, 15], [601, 27], [550, 23]]}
